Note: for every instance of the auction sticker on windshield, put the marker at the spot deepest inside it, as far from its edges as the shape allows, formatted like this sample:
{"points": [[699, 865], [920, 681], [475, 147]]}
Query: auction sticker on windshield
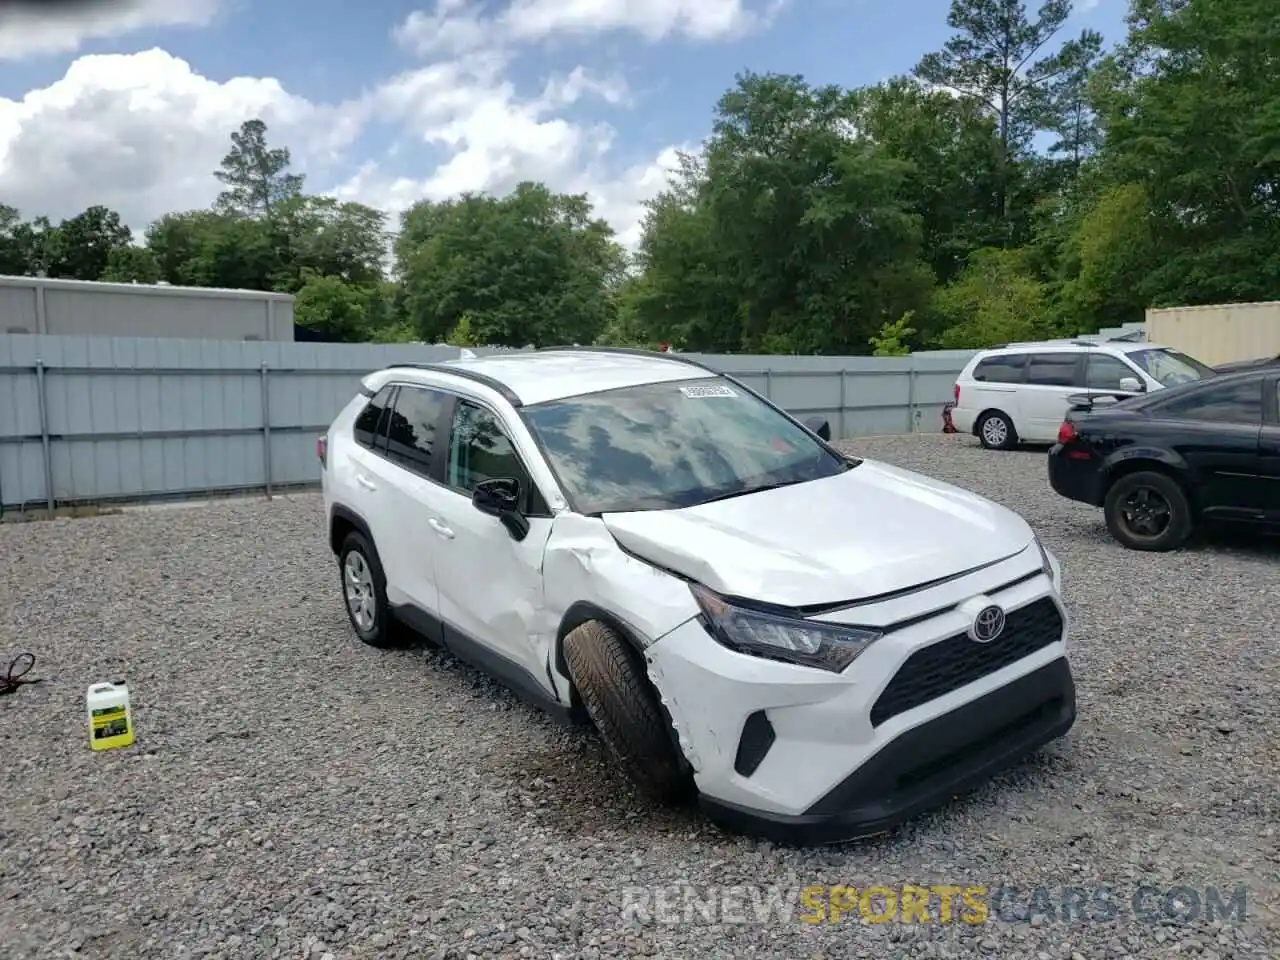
{"points": [[707, 390]]}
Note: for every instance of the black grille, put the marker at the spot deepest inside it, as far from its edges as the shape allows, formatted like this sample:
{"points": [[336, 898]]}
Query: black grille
{"points": [[949, 664]]}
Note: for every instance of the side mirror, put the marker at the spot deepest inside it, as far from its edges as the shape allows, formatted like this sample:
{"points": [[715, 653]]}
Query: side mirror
{"points": [[1132, 385], [819, 426], [500, 498]]}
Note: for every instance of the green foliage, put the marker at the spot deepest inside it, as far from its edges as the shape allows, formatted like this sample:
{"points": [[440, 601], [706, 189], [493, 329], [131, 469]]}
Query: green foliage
{"points": [[1021, 183], [892, 339], [532, 267], [256, 176], [994, 300]]}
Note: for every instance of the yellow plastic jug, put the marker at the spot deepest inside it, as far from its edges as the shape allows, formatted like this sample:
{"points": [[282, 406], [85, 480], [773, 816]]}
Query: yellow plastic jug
{"points": [[110, 719]]}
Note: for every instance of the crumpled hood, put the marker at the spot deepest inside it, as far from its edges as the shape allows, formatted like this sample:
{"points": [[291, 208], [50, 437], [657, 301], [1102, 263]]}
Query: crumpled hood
{"points": [[872, 530]]}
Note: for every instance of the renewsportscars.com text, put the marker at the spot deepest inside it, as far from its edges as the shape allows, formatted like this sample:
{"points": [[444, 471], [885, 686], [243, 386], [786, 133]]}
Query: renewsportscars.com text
{"points": [[960, 903]]}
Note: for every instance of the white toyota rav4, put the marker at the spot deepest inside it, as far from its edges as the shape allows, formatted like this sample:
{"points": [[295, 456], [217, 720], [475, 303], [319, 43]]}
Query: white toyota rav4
{"points": [[819, 646]]}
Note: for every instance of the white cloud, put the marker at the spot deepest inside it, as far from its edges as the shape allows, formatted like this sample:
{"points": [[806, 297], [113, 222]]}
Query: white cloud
{"points": [[460, 26], [142, 134], [30, 29]]}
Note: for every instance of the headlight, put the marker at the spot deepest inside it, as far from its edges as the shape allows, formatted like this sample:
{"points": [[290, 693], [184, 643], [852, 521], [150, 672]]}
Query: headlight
{"points": [[1045, 564], [790, 639], [1048, 564]]}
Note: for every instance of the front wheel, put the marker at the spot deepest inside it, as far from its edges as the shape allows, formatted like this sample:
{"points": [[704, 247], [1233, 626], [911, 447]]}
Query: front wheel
{"points": [[610, 677], [1148, 511]]}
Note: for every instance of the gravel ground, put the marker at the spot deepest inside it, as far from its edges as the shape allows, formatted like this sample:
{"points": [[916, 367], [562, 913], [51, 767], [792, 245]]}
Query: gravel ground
{"points": [[294, 794]]}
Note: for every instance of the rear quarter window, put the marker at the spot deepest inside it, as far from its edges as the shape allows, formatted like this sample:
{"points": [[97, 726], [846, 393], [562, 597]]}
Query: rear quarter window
{"points": [[1001, 368]]}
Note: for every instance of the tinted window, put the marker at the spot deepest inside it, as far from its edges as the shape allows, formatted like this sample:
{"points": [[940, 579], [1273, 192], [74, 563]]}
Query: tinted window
{"points": [[479, 449], [1053, 369], [411, 432], [1001, 369], [1103, 372], [669, 445], [1228, 403], [371, 421]]}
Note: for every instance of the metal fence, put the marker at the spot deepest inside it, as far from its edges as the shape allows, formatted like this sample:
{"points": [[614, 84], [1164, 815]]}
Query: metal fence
{"points": [[103, 419]]}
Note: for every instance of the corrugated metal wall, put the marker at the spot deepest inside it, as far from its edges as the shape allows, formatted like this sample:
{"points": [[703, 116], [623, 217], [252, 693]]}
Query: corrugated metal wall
{"points": [[80, 308], [1218, 334], [96, 419]]}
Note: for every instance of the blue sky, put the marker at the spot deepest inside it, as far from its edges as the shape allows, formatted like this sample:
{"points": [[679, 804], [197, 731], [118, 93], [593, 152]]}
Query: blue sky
{"points": [[379, 105]]}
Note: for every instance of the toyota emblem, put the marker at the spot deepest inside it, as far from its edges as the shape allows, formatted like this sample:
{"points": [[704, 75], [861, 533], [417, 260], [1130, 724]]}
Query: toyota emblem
{"points": [[987, 625]]}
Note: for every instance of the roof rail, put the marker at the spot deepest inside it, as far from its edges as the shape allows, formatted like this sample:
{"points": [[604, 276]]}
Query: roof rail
{"points": [[637, 352], [475, 376], [1084, 343]]}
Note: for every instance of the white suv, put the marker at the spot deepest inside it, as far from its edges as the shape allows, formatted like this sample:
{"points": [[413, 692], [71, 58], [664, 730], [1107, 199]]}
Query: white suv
{"points": [[1018, 392], [817, 645]]}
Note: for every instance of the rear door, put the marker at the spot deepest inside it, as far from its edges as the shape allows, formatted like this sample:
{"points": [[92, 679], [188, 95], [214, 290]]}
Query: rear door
{"points": [[1269, 450], [365, 478], [1052, 377], [1217, 429], [416, 429], [994, 386]]}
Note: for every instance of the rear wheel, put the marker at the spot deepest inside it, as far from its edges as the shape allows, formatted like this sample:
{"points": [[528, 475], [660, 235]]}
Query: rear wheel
{"points": [[995, 431], [610, 677], [364, 591], [1148, 511]]}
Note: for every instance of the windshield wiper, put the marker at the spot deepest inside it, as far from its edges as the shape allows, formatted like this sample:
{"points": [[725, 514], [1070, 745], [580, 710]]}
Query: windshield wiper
{"points": [[760, 488]]}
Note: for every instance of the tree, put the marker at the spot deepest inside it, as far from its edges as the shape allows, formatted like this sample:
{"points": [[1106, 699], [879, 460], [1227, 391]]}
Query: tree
{"points": [[996, 59], [1191, 108], [131, 265], [532, 267], [83, 245], [256, 176], [792, 233], [995, 300], [951, 181]]}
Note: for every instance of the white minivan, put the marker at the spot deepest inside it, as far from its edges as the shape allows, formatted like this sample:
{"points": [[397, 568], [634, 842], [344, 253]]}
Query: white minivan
{"points": [[1018, 392]]}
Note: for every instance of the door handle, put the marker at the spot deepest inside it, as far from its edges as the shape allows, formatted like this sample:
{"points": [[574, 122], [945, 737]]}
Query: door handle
{"points": [[365, 482], [440, 528]]}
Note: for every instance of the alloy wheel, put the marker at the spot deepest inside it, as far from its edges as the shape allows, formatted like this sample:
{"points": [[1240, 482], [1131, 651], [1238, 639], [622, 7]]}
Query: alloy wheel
{"points": [[357, 583], [1146, 512]]}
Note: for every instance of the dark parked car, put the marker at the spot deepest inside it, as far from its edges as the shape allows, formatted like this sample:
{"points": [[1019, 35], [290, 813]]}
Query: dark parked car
{"points": [[1238, 365], [1159, 464]]}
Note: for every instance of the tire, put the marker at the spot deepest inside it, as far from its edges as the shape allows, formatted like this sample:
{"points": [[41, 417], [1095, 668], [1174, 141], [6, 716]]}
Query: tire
{"points": [[1158, 491], [610, 677], [360, 573], [995, 431]]}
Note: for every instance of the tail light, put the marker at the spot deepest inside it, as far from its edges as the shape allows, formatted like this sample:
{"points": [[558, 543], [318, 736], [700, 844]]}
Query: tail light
{"points": [[957, 394], [1067, 432], [322, 448]]}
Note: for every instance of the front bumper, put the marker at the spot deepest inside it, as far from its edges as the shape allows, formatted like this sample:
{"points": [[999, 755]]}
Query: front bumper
{"points": [[925, 767], [795, 752]]}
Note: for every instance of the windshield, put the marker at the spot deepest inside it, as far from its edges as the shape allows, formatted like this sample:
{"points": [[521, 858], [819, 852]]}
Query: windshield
{"points": [[663, 446], [1169, 367]]}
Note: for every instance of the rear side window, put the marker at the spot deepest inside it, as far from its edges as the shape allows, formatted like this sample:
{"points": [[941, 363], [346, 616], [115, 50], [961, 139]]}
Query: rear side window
{"points": [[1224, 403], [1002, 368], [1053, 370], [411, 434], [371, 423]]}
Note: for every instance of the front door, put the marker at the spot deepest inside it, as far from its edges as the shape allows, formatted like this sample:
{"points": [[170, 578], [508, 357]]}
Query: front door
{"points": [[490, 584], [1217, 430]]}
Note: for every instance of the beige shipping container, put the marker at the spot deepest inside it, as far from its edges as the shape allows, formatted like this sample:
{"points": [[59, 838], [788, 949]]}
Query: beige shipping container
{"points": [[1219, 333]]}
